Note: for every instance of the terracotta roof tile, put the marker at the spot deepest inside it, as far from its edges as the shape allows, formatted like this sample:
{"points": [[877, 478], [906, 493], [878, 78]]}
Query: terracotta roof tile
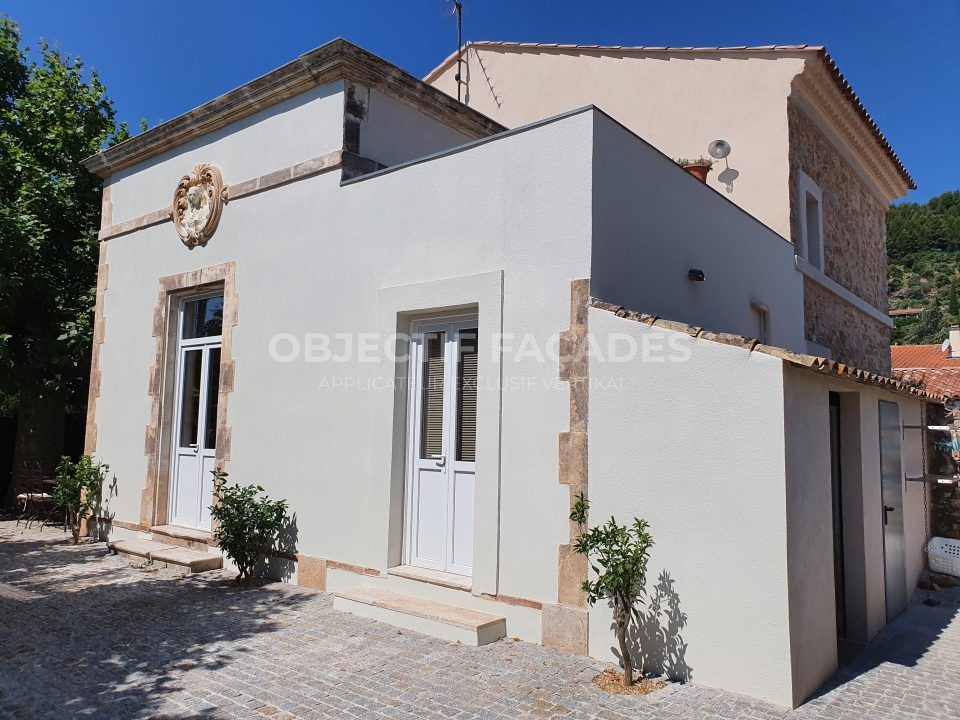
{"points": [[942, 381], [906, 385], [921, 357]]}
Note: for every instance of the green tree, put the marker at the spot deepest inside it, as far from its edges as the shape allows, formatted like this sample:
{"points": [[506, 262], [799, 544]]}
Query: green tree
{"points": [[953, 298], [53, 114], [930, 328], [617, 555]]}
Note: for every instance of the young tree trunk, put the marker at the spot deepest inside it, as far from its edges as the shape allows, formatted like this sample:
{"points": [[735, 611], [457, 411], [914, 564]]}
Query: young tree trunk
{"points": [[625, 653]]}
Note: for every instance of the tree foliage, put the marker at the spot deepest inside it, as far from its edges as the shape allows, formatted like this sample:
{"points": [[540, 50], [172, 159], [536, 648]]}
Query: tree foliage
{"points": [[53, 114], [923, 248], [618, 556]]}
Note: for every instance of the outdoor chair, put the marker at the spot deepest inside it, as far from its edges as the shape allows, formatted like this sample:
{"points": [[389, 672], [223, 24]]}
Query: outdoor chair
{"points": [[34, 495]]}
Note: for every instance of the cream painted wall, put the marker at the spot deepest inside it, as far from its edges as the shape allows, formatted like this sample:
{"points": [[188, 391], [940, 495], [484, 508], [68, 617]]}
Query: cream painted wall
{"points": [[313, 256], [810, 507], [653, 222], [393, 132], [697, 449], [289, 132], [813, 636], [679, 103]]}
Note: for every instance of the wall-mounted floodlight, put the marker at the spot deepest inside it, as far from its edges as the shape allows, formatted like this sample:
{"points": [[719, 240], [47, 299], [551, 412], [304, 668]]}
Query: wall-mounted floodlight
{"points": [[719, 149], [696, 275]]}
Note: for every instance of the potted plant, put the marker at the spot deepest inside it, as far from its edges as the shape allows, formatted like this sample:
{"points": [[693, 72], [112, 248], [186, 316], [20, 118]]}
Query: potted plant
{"points": [[77, 490], [699, 167]]}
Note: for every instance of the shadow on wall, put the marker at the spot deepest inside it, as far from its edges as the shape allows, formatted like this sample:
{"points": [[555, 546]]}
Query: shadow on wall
{"points": [[282, 560], [656, 642], [102, 521]]}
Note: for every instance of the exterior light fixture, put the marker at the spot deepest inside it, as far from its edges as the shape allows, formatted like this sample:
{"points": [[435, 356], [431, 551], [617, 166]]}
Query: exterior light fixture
{"points": [[696, 275]]}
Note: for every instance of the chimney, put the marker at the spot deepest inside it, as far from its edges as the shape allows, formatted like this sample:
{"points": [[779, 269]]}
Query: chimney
{"points": [[954, 342]]}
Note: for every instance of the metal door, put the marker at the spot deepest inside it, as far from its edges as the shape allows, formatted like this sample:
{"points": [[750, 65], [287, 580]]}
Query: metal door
{"points": [[440, 482], [891, 473], [195, 421]]}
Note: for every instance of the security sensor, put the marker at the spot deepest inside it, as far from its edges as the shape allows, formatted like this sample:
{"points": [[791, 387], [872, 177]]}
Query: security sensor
{"points": [[719, 149]]}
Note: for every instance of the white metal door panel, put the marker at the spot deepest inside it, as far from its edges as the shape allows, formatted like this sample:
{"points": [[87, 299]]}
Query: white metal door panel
{"points": [[186, 489], [891, 472], [461, 556], [208, 465], [440, 486], [430, 540]]}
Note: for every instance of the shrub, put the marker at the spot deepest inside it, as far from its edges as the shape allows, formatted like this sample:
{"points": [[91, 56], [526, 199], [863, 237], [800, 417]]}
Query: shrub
{"points": [[247, 524], [618, 555], [77, 489]]}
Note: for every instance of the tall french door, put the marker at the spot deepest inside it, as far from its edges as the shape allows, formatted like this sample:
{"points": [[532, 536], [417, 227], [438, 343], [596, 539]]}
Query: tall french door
{"points": [[442, 435], [195, 421]]}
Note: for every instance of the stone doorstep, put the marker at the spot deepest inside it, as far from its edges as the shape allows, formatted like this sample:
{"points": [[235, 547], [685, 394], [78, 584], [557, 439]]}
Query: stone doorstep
{"points": [[432, 577], [166, 555], [471, 627], [178, 557], [137, 546], [184, 537]]}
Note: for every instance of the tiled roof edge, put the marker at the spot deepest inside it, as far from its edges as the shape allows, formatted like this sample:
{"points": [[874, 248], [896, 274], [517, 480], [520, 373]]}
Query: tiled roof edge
{"points": [[820, 365]]}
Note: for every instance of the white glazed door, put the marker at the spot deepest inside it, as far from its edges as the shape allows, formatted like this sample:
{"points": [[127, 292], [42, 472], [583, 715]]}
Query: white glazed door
{"points": [[442, 467], [195, 426]]}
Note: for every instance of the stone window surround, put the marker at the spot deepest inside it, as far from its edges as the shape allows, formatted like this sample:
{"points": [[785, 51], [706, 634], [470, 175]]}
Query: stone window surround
{"points": [[172, 289], [806, 186]]}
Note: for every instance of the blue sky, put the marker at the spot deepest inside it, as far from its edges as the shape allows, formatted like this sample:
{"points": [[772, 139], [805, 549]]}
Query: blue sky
{"points": [[161, 59]]}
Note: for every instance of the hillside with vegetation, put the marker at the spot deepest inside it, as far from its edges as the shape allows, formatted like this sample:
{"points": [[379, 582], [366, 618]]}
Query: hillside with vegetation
{"points": [[923, 248]]}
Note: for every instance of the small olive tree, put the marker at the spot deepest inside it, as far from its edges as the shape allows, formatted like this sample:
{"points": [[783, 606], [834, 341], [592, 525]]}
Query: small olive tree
{"points": [[247, 524], [618, 555], [77, 489]]}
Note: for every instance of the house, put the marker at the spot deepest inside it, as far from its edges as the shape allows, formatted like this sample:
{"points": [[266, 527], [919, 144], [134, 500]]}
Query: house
{"points": [[807, 159], [936, 369], [431, 334]]}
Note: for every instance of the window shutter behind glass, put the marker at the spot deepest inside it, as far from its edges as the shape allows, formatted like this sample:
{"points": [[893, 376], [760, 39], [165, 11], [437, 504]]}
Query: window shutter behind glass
{"points": [[431, 431], [467, 397]]}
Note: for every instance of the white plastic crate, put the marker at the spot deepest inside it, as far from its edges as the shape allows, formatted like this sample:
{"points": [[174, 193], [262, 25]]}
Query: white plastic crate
{"points": [[943, 555]]}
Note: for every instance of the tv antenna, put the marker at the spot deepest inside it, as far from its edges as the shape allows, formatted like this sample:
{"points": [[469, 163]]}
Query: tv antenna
{"points": [[458, 9]]}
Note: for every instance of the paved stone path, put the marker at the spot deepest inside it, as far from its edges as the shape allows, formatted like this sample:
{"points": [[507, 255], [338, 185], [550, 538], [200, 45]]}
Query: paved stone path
{"points": [[86, 634]]}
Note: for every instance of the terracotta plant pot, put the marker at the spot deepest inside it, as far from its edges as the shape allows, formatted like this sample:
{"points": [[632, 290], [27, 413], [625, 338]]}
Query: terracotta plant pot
{"points": [[698, 171]]}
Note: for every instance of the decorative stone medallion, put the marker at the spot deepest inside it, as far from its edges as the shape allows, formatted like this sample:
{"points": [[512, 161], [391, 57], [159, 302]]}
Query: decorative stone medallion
{"points": [[197, 204]]}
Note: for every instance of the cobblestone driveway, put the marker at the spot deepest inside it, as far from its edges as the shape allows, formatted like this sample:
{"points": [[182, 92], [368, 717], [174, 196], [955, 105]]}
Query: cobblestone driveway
{"points": [[85, 634]]}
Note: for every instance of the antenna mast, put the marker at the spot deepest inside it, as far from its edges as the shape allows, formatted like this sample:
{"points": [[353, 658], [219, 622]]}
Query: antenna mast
{"points": [[458, 8]]}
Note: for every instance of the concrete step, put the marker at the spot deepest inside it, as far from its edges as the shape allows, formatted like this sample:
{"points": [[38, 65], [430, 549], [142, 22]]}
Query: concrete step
{"points": [[166, 555], [138, 547], [448, 622], [184, 537]]}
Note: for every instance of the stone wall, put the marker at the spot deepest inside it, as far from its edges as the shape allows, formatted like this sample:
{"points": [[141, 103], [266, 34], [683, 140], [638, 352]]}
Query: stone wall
{"points": [[853, 336], [855, 252]]}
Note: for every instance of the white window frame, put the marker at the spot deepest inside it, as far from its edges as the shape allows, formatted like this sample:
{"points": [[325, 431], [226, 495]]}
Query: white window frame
{"points": [[806, 186]]}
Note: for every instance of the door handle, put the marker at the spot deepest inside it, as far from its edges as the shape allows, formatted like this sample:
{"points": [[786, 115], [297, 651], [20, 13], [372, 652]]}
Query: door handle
{"points": [[442, 461], [887, 509], [195, 447]]}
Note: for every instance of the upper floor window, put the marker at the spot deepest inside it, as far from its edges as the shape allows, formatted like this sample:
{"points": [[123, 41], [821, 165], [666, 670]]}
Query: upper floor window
{"points": [[810, 208]]}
